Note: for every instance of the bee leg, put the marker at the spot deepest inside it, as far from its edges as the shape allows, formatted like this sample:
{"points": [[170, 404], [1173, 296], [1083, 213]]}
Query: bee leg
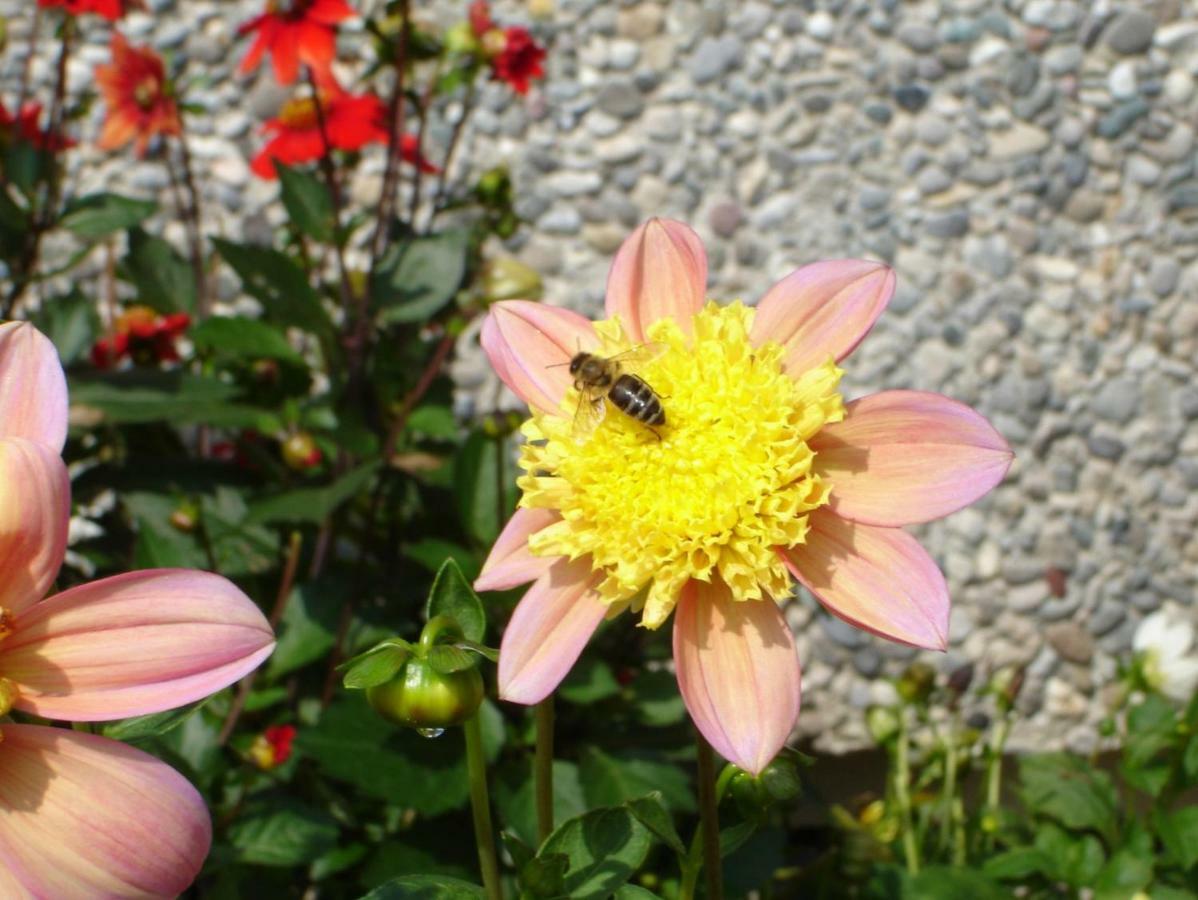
{"points": [[655, 433]]}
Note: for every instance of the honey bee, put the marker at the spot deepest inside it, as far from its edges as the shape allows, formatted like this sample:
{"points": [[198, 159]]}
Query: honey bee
{"points": [[600, 377]]}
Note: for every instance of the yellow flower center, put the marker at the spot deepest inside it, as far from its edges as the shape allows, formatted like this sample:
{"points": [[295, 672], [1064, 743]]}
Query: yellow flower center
{"points": [[299, 113], [729, 481]]}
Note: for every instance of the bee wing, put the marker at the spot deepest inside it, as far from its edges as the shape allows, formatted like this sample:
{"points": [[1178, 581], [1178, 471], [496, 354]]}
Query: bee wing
{"points": [[641, 353], [590, 412]]}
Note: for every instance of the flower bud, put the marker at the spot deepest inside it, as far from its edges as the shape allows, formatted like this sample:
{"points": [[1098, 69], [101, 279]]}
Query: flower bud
{"points": [[506, 278], [494, 188], [916, 683], [882, 723], [419, 696], [184, 517], [460, 39], [300, 452], [1006, 685]]}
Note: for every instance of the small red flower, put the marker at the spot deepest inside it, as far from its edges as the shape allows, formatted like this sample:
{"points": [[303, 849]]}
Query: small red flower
{"points": [[109, 9], [24, 127], [520, 60], [142, 335], [514, 56], [272, 748], [352, 121], [294, 32], [140, 102]]}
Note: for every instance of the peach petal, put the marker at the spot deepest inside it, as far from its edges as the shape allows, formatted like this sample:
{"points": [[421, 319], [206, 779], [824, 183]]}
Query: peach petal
{"points": [[823, 310], [133, 644], [660, 270], [901, 457], [879, 579], [738, 672], [530, 346], [548, 631], [510, 563], [35, 507], [85, 816], [33, 388]]}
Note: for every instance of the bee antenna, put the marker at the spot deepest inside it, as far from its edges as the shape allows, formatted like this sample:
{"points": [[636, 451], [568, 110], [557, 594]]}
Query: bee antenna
{"points": [[557, 365]]}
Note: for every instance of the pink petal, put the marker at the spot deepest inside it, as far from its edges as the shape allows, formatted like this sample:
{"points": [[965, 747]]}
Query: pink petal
{"points": [[35, 506], [738, 672], [33, 388], [530, 346], [660, 270], [823, 310], [548, 630], [510, 563], [85, 816], [901, 457], [879, 579], [133, 644]]}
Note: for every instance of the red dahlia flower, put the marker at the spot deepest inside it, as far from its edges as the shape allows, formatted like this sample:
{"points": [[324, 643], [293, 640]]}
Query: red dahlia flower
{"points": [[514, 56], [140, 101], [109, 9], [272, 748], [24, 127], [351, 121], [295, 31], [143, 335]]}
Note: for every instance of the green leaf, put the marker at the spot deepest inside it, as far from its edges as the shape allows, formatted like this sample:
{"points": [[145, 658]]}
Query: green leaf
{"points": [[418, 277], [71, 322], [306, 632], [952, 883], [352, 744], [307, 202], [634, 892], [515, 796], [164, 280], [590, 681], [1017, 863], [545, 876], [609, 780], [447, 659], [1189, 761], [452, 596], [375, 666], [138, 395], [650, 812], [275, 281], [160, 545], [240, 547], [425, 887], [96, 216], [604, 846], [1073, 859], [313, 505], [656, 700], [243, 338], [1066, 788], [337, 860], [1179, 833], [142, 727], [475, 468], [1125, 874], [282, 833], [434, 421]]}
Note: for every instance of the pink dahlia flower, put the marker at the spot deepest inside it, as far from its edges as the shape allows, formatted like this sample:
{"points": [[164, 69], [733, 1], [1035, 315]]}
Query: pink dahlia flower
{"points": [[760, 475], [81, 815]]}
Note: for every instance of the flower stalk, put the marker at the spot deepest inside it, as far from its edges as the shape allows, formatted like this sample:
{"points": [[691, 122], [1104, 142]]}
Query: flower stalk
{"points": [[902, 794], [709, 823], [480, 806]]}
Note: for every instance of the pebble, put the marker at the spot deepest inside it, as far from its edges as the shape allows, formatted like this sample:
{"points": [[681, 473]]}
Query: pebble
{"points": [[714, 57], [620, 99], [1130, 32], [953, 223]]}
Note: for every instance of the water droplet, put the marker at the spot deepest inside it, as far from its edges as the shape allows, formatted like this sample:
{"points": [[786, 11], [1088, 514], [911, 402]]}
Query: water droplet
{"points": [[430, 732]]}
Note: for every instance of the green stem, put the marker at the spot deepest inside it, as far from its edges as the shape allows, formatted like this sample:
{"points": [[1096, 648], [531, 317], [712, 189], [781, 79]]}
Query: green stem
{"points": [[710, 822], [543, 769], [948, 794], [994, 776], [480, 805], [902, 796]]}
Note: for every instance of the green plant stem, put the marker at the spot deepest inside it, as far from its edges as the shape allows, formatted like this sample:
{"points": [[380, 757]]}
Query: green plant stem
{"points": [[994, 775], [710, 823], [902, 795], [948, 794], [543, 769], [480, 805]]}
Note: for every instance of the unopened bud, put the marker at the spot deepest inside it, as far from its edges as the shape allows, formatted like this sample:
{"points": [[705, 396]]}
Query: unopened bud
{"points": [[506, 278], [460, 39], [421, 697], [883, 723], [916, 683], [300, 452], [185, 517]]}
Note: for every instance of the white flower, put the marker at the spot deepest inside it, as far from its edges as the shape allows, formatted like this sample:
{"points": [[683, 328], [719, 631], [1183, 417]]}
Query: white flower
{"points": [[1165, 644]]}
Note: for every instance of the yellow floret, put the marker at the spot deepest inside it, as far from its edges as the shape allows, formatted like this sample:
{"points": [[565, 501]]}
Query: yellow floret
{"points": [[728, 483]]}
